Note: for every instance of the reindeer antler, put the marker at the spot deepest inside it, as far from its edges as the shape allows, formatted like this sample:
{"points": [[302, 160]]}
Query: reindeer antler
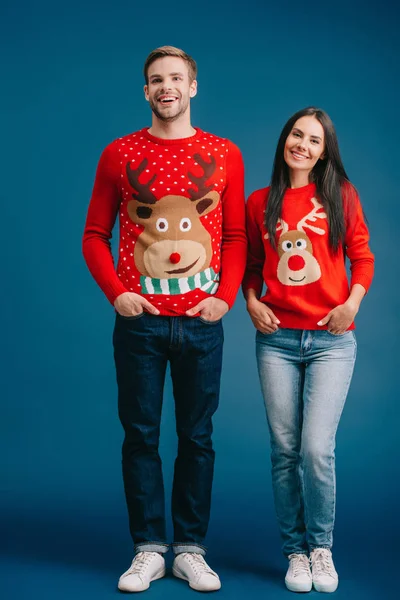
{"points": [[208, 170], [313, 216], [141, 190], [280, 226]]}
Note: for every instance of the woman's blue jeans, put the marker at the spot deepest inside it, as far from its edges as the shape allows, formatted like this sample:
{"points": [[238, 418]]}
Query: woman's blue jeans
{"points": [[305, 376], [143, 346]]}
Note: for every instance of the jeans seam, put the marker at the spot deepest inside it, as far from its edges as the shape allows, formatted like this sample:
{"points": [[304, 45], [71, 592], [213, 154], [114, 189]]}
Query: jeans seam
{"points": [[332, 459], [300, 480]]}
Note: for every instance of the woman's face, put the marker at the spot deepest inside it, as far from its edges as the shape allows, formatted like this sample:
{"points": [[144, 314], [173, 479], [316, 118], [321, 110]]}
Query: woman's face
{"points": [[305, 144]]}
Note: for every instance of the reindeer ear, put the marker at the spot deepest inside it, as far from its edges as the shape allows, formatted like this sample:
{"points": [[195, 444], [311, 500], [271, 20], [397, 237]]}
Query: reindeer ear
{"points": [[144, 212], [137, 211], [208, 203]]}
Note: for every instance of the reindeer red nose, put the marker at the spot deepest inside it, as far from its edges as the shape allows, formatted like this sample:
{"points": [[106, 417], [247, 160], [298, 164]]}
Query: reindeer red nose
{"points": [[296, 262], [175, 258]]}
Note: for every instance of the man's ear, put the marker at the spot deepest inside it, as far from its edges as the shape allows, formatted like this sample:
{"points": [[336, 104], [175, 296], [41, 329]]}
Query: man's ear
{"points": [[146, 92], [193, 88]]}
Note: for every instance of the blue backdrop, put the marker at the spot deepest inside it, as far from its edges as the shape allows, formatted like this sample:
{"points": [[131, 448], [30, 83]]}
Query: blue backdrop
{"points": [[72, 82]]}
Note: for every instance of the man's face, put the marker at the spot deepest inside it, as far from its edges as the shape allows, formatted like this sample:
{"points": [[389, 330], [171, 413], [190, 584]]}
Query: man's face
{"points": [[169, 89]]}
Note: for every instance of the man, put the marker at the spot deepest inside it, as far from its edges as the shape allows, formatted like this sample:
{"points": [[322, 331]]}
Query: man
{"points": [[179, 194]]}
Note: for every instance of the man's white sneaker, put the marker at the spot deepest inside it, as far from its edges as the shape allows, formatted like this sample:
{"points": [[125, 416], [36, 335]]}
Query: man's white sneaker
{"points": [[324, 576], [193, 568], [298, 577], [145, 567]]}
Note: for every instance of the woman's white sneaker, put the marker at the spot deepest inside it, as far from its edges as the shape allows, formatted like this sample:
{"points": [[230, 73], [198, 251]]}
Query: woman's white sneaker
{"points": [[298, 577], [145, 568], [324, 575], [193, 568]]}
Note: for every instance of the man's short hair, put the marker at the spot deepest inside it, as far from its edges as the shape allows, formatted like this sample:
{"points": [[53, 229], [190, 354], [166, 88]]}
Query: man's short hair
{"points": [[170, 51]]}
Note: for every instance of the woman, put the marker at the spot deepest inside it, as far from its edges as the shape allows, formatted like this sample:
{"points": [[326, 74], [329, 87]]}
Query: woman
{"points": [[300, 229]]}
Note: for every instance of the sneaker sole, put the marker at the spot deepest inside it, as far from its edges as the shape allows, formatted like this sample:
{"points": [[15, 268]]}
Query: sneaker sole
{"points": [[328, 589], [194, 586], [298, 587], [158, 575]]}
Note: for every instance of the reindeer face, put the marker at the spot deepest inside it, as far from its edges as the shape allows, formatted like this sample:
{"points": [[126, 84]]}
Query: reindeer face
{"points": [[174, 243], [297, 264]]}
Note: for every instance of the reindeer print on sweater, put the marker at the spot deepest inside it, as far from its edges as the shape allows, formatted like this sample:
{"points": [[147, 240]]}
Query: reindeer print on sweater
{"points": [[297, 265], [174, 251]]}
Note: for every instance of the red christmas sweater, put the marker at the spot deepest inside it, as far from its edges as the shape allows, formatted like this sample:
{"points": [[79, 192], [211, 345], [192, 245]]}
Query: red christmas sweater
{"points": [[304, 278], [181, 220]]}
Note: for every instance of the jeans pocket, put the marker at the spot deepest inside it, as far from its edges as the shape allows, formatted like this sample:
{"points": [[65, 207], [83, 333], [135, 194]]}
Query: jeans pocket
{"points": [[132, 318], [269, 334], [336, 335], [209, 322]]}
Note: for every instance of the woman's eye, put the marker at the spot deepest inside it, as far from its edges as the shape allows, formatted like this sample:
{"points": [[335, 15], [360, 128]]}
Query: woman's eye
{"points": [[162, 225], [301, 244], [286, 246]]}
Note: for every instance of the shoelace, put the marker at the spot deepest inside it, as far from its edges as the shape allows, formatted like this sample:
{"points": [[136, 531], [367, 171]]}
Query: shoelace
{"points": [[300, 564], [198, 563], [140, 562], [321, 560]]}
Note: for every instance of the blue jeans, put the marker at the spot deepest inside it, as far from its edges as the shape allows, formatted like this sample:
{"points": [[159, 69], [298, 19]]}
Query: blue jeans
{"points": [[305, 377], [143, 346]]}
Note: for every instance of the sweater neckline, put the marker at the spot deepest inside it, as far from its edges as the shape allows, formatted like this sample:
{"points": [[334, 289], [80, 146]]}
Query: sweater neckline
{"points": [[305, 189], [173, 142]]}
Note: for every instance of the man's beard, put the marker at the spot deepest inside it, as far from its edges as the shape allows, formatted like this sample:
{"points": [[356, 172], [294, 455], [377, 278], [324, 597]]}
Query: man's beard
{"points": [[184, 103]]}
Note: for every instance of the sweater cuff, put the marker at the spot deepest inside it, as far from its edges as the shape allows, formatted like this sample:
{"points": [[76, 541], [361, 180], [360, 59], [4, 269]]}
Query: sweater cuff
{"points": [[113, 291], [253, 282], [363, 279], [227, 293]]}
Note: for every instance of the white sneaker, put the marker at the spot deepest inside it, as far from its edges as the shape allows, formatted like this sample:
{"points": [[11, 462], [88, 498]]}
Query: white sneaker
{"points": [[193, 568], [145, 567], [324, 576], [298, 577]]}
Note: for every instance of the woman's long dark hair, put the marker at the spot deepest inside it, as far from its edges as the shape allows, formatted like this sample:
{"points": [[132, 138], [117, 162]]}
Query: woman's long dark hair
{"points": [[333, 186]]}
